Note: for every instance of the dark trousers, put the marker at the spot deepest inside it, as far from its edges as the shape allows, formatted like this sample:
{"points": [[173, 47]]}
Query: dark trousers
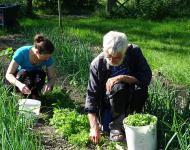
{"points": [[34, 79], [121, 101]]}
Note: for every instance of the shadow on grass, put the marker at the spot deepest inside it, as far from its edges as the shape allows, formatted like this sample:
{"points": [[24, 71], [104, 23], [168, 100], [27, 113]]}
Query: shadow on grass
{"points": [[56, 99], [143, 29], [92, 30]]}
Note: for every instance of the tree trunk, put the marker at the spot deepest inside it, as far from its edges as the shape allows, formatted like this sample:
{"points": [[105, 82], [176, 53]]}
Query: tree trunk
{"points": [[59, 12]]}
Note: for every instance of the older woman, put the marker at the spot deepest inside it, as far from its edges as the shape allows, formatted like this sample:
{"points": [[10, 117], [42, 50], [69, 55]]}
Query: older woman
{"points": [[26, 70], [118, 85]]}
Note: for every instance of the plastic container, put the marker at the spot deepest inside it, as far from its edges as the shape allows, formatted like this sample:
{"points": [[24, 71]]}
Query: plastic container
{"points": [[29, 107], [141, 137]]}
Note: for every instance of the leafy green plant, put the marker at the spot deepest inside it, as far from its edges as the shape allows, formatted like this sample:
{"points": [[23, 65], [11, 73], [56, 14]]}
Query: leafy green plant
{"points": [[7, 52], [80, 139], [72, 125], [140, 120]]}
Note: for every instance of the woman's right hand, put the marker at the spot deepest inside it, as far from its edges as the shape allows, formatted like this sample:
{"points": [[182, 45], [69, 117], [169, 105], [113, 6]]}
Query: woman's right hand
{"points": [[95, 135], [24, 88]]}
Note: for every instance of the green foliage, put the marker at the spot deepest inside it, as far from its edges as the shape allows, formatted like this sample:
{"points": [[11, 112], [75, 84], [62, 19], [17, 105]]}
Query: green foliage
{"points": [[105, 143], [140, 120], [59, 99], [67, 7], [80, 139], [165, 45], [172, 125], [7, 53], [15, 131], [161, 43], [155, 9], [75, 128], [71, 125]]}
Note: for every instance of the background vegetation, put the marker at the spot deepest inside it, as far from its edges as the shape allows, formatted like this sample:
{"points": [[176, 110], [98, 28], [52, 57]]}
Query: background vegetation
{"points": [[151, 9]]}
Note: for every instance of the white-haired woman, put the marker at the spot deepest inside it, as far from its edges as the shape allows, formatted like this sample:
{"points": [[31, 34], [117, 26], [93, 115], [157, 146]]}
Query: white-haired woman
{"points": [[118, 85]]}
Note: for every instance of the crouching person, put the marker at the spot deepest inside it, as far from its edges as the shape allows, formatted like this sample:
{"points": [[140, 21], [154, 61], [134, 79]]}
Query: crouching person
{"points": [[117, 86], [29, 67]]}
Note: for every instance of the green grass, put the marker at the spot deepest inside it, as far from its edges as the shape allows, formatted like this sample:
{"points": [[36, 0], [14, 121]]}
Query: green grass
{"points": [[173, 123], [15, 131], [166, 45]]}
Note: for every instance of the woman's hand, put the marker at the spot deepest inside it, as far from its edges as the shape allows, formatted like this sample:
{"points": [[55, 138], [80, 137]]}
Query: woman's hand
{"points": [[47, 88], [23, 88], [51, 80]]}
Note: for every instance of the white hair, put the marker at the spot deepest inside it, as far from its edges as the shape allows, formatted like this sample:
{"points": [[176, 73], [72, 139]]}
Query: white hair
{"points": [[114, 42]]}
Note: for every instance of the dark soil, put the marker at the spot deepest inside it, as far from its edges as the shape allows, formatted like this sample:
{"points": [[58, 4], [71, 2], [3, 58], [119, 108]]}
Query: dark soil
{"points": [[13, 40], [51, 140]]}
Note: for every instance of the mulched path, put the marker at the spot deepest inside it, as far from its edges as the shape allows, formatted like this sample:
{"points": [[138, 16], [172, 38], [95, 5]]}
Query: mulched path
{"points": [[51, 140]]}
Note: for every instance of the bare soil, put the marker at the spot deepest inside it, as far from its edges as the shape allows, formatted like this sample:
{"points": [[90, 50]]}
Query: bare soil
{"points": [[11, 40]]}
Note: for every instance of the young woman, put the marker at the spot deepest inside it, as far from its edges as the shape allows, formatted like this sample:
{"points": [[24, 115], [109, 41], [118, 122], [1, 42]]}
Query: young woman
{"points": [[29, 67]]}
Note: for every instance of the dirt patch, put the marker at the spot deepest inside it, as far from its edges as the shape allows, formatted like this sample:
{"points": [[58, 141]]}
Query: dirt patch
{"points": [[12, 40], [51, 140]]}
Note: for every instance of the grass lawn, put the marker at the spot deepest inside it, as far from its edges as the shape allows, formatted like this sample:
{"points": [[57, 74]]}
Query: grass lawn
{"points": [[165, 44]]}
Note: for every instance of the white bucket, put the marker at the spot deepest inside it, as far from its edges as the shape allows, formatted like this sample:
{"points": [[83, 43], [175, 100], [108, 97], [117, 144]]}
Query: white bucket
{"points": [[141, 137], [29, 107]]}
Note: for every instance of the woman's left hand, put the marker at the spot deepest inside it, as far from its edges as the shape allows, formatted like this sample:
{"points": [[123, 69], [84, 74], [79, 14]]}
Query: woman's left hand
{"points": [[47, 88]]}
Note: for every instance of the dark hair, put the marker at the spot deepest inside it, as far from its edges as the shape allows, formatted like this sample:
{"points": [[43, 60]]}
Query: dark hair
{"points": [[44, 45]]}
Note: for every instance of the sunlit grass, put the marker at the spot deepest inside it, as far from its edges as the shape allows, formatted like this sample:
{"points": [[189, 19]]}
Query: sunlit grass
{"points": [[164, 44]]}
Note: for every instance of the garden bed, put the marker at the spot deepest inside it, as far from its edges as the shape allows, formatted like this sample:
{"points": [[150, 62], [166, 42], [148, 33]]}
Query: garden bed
{"points": [[162, 98]]}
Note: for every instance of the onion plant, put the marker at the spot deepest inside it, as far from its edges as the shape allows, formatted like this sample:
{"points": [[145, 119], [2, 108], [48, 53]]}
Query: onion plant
{"points": [[15, 132], [173, 125]]}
